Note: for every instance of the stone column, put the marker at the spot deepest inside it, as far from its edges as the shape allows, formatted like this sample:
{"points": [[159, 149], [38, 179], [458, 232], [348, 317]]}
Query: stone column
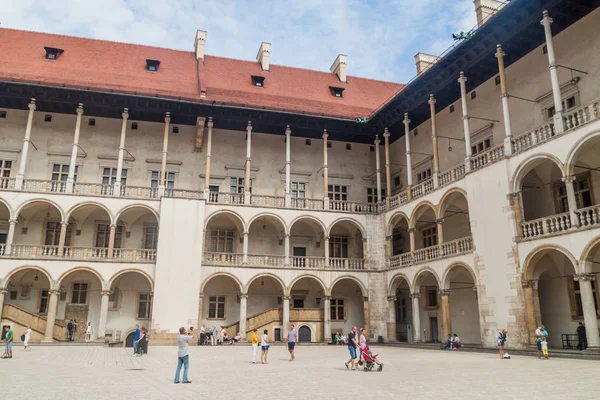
{"points": [[436, 157], [326, 249], [440, 230], [285, 314], [559, 126], [73, 164], [391, 323], [243, 308], [117, 184], [51, 316], [200, 310], [589, 309], [445, 298], [248, 163], [2, 293], [378, 169], [367, 316], [103, 316], [327, 319], [163, 166], [411, 233], [10, 238], [286, 242], [21, 174], [409, 174], [571, 199], [245, 248], [416, 314], [529, 294], [504, 96], [388, 177], [62, 238], [209, 124], [111, 240], [466, 129], [288, 167], [325, 172], [365, 250]]}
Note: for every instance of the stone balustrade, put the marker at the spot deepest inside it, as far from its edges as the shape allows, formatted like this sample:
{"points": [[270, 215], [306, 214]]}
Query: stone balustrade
{"points": [[307, 204], [267, 201], [135, 255], [347, 263], [93, 189], [451, 248], [266, 260], [7, 183], [546, 226], [422, 188], [361, 208], [226, 198], [308, 262], [589, 216], [139, 192], [184, 194], [44, 186], [213, 258], [487, 157], [80, 253], [2, 249]]}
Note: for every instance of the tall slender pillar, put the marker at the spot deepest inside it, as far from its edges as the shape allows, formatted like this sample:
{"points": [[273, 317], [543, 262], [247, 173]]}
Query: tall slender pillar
{"points": [[288, 167], [200, 309], [326, 249], [325, 172], [411, 234], [559, 125], [446, 323], [529, 295], [2, 293], [209, 124], [165, 150], [378, 168], [589, 309], [10, 238], [73, 164], [327, 319], [504, 97], [466, 129], [440, 230], [117, 185], [243, 309], [367, 316], [248, 162], [51, 316], [286, 242], [103, 315], [111, 240], [245, 248], [285, 314], [409, 173], [391, 322], [62, 238], [388, 177], [571, 199], [416, 316], [24, 151], [434, 141]]}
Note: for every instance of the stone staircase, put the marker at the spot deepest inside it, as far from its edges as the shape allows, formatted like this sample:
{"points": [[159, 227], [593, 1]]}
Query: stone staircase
{"points": [[275, 316], [21, 318]]}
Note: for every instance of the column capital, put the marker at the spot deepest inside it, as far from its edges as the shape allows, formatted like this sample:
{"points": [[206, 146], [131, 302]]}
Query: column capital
{"points": [[444, 292], [325, 135], [286, 297], [406, 120], [80, 109], [125, 114], [364, 240], [167, 117], [201, 296], [377, 141], [288, 131], [462, 78], [12, 222], [528, 284], [64, 223], [53, 292], [584, 277], [105, 292], [365, 298], [415, 295], [113, 226], [244, 296], [412, 230], [210, 122], [32, 105], [3, 291], [568, 179], [386, 133], [546, 20], [325, 237], [439, 221], [286, 236], [499, 52], [432, 99], [246, 233], [249, 126], [391, 298], [326, 297]]}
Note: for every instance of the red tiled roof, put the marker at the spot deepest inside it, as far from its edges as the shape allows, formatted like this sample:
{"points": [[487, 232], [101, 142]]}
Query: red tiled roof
{"points": [[120, 67]]}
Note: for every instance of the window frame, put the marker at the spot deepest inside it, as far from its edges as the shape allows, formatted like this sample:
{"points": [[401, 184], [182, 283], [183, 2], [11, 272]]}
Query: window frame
{"points": [[111, 177], [219, 239], [561, 201], [5, 170], [237, 184], [62, 172], [371, 193], [119, 234], [339, 245], [337, 190], [335, 307], [575, 299], [217, 301], [429, 234], [79, 291], [148, 302], [154, 240], [170, 178]]}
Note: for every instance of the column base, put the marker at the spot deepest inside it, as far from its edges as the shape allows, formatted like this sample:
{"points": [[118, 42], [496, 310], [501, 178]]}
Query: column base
{"points": [[69, 186], [325, 203], [117, 189], [19, 182], [508, 150], [467, 164], [48, 340], [436, 181], [247, 198], [559, 123]]}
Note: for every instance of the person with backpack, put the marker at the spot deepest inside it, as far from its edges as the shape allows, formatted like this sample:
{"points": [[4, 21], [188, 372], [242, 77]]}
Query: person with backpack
{"points": [[501, 340]]}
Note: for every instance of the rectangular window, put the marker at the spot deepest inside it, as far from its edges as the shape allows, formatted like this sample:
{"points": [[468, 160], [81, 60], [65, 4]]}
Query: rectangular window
{"points": [[583, 193], [372, 195], [298, 303], [337, 192], [424, 175], [43, 309], [150, 236], [109, 176], [429, 236], [113, 299], [103, 236], [144, 305], [396, 181], [52, 234], [432, 296], [155, 179], [5, 167], [60, 172], [236, 185], [337, 309], [481, 146], [578, 303], [216, 307], [79, 294], [338, 246], [221, 241], [299, 190]]}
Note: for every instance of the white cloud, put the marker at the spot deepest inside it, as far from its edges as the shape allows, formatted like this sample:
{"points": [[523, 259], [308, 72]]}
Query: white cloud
{"points": [[380, 37]]}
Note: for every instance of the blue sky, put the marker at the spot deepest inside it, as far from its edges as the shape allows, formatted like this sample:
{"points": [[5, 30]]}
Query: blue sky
{"points": [[379, 37]]}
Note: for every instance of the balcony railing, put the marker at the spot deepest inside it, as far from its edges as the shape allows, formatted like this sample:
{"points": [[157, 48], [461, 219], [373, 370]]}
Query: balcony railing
{"points": [[307, 204], [267, 201], [81, 253], [490, 156], [139, 192], [42, 186], [226, 198], [308, 262], [546, 226], [7, 183], [2, 249], [135, 255], [422, 188], [589, 216], [184, 194], [347, 263], [213, 258], [260, 260], [451, 248], [93, 189], [361, 208]]}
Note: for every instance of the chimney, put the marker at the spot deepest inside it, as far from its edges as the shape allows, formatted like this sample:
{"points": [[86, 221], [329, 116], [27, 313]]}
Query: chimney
{"points": [[424, 61], [339, 67], [199, 44], [264, 55], [486, 8]]}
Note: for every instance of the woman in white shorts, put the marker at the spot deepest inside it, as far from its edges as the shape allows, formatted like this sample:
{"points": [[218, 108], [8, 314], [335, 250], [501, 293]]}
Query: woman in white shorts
{"points": [[88, 332], [27, 335]]}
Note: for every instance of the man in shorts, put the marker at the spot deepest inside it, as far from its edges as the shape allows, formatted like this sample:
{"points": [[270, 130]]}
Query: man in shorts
{"points": [[9, 337], [292, 338], [352, 345]]}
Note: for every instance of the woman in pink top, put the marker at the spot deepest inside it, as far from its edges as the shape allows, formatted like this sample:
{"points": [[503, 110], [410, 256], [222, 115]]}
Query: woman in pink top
{"points": [[363, 339]]}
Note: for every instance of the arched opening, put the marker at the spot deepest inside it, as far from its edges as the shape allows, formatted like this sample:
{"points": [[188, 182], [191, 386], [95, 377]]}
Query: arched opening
{"points": [[430, 311], [307, 243], [266, 237], [542, 191], [224, 239], [347, 306], [401, 312], [265, 295], [425, 224], [399, 234], [306, 305], [556, 294], [129, 303], [304, 334], [137, 229], [584, 169], [37, 231], [221, 302], [88, 232], [80, 298], [346, 245], [455, 217], [4, 226], [463, 304]]}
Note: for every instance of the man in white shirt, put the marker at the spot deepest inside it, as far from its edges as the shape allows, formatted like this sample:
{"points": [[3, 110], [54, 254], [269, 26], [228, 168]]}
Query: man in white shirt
{"points": [[213, 336], [202, 335], [183, 354]]}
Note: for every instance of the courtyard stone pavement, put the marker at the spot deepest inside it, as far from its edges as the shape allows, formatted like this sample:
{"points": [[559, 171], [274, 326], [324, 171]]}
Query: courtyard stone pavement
{"points": [[225, 372]]}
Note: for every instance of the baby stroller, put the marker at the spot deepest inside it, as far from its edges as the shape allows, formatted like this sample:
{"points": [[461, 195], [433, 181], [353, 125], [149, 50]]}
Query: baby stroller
{"points": [[369, 360]]}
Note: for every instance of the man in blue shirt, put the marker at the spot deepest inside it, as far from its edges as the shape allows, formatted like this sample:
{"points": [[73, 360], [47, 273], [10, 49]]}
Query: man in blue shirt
{"points": [[136, 337], [352, 345]]}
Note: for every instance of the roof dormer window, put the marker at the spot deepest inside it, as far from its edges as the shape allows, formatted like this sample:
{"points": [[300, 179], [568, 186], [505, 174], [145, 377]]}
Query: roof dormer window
{"points": [[52, 53], [336, 91], [258, 81], [152, 65]]}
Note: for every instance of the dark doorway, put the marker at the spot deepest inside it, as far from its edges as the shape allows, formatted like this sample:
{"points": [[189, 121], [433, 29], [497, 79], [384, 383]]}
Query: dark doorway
{"points": [[300, 252], [277, 335], [129, 339], [304, 334], [433, 328]]}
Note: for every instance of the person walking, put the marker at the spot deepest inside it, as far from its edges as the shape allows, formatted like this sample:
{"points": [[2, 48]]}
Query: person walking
{"points": [[27, 336], [352, 344], [582, 336], [292, 338], [88, 332], [136, 339], [254, 340], [147, 340], [264, 346], [183, 355], [8, 339], [213, 336], [71, 329], [501, 340], [202, 335], [139, 344]]}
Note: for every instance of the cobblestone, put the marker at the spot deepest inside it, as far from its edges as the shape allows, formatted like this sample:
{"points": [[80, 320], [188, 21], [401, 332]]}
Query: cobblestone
{"points": [[64, 372]]}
